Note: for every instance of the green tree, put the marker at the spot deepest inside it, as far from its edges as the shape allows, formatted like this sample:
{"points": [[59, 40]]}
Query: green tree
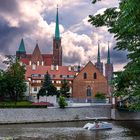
{"points": [[13, 80], [100, 95], [65, 89], [62, 102], [124, 23], [47, 87]]}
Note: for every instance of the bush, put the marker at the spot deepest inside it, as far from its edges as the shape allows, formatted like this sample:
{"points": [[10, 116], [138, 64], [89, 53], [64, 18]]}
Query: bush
{"points": [[62, 102], [99, 95]]}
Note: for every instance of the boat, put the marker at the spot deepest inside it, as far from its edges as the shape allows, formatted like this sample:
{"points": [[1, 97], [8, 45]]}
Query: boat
{"points": [[97, 125]]}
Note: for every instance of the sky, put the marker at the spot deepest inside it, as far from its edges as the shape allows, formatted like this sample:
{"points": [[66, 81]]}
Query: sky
{"points": [[34, 21]]}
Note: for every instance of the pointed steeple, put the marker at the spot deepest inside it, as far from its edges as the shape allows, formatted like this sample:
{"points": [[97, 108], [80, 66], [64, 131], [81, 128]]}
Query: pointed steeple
{"points": [[98, 57], [57, 32], [36, 56], [108, 55], [21, 46]]}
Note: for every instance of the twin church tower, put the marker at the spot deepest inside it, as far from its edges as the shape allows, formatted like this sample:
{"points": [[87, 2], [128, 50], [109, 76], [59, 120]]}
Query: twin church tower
{"points": [[37, 58]]}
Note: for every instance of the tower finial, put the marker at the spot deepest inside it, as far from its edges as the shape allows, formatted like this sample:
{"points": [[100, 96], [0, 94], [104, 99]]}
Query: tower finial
{"points": [[98, 57], [108, 56], [57, 32]]}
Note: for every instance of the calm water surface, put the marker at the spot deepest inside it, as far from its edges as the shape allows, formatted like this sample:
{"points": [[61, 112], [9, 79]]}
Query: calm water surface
{"points": [[127, 130]]}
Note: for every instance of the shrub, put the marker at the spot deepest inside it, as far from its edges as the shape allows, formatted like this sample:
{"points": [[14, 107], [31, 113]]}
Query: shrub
{"points": [[62, 102], [100, 95]]}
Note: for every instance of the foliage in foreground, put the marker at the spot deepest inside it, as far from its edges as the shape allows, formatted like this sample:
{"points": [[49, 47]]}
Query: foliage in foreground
{"points": [[123, 22]]}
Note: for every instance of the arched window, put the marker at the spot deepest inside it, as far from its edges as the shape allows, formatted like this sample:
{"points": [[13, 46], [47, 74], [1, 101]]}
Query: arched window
{"points": [[85, 75], [88, 91], [95, 75]]}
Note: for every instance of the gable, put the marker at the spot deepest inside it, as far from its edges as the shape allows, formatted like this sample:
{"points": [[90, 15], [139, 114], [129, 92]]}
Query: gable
{"points": [[90, 69]]}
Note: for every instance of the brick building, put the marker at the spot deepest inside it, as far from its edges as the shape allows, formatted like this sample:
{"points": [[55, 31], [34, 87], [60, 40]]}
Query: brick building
{"points": [[83, 83], [88, 82]]}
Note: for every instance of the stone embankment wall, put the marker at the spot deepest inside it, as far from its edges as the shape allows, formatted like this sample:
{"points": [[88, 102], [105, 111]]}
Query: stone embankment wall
{"points": [[53, 114], [124, 115]]}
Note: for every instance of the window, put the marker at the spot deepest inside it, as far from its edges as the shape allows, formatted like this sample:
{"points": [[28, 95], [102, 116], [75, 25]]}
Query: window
{"points": [[85, 75], [88, 91], [35, 88], [95, 75]]}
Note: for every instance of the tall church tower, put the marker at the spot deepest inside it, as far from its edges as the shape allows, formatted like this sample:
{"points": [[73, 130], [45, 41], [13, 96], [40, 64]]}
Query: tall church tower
{"points": [[108, 67], [99, 64], [57, 48], [21, 50]]}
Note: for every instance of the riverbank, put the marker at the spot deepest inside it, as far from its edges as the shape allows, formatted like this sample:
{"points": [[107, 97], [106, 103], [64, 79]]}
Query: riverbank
{"points": [[36, 115], [55, 114]]}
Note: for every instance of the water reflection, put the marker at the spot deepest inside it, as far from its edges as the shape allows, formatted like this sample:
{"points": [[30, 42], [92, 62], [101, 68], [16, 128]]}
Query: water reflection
{"points": [[70, 131]]}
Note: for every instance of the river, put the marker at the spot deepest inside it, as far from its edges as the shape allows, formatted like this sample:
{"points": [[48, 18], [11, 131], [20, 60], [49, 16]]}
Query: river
{"points": [[122, 130]]}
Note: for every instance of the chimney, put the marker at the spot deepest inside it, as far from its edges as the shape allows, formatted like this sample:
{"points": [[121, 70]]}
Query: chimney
{"points": [[30, 63], [33, 66], [37, 63], [69, 68], [56, 67], [52, 67], [42, 63]]}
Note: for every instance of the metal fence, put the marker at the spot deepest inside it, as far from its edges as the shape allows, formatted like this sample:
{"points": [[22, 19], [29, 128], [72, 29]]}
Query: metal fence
{"points": [[86, 100]]}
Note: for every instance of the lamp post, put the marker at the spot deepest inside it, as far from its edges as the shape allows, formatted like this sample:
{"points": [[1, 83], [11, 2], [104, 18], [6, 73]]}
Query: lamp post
{"points": [[46, 95]]}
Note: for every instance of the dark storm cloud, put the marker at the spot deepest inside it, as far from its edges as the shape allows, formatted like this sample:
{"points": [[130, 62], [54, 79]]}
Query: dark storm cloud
{"points": [[8, 34], [8, 6], [117, 57]]}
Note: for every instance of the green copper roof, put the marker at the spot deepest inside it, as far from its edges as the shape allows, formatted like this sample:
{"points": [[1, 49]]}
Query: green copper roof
{"points": [[98, 57], [22, 46], [57, 32], [108, 56]]}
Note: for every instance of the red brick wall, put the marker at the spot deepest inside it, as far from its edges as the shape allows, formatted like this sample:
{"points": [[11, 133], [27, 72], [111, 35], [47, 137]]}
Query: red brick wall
{"points": [[80, 84]]}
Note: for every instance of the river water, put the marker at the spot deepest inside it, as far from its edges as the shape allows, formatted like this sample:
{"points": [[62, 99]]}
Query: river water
{"points": [[122, 130]]}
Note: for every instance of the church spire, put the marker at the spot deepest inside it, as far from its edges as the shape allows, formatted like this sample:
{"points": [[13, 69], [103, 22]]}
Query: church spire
{"points": [[98, 57], [108, 56], [21, 46], [57, 32]]}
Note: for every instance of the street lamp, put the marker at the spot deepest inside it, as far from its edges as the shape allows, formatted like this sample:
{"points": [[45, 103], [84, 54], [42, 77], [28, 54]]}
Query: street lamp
{"points": [[46, 95]]}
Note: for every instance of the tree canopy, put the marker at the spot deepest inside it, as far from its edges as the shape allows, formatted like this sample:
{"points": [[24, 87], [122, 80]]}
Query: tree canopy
{"points": [[47, 87], [65, 88], [12, 80], [124, 23]]}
